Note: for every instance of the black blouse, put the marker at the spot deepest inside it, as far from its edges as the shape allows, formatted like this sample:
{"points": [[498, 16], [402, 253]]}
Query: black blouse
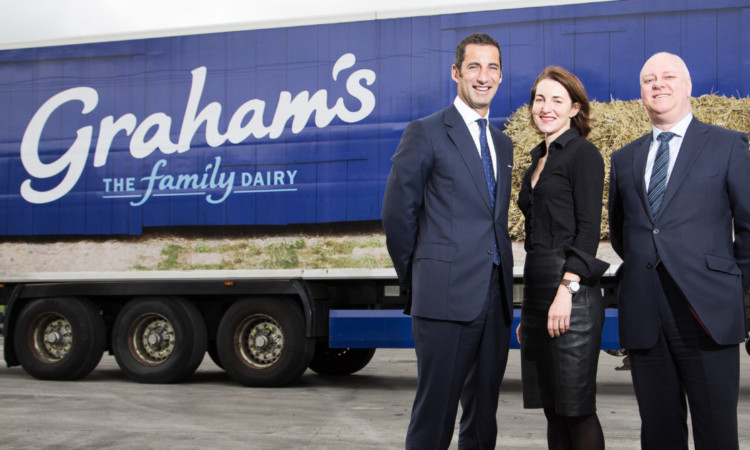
{"points": [[564, 209]]}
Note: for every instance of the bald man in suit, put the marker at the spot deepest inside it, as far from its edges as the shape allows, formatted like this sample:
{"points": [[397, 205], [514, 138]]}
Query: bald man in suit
{"points": [[680, 220]]}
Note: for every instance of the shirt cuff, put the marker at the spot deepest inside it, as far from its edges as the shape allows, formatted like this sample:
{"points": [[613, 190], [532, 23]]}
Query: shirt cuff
{"points": [[586, 266]]}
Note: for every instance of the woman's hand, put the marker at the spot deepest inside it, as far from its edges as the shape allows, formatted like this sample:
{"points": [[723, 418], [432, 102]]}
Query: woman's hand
{"points": [[518, 333], [558, 318]]}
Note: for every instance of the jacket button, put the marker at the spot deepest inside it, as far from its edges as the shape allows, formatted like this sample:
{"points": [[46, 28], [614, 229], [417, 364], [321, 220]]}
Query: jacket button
{"points": [[649, 266], [655, 231], [490, 251]]}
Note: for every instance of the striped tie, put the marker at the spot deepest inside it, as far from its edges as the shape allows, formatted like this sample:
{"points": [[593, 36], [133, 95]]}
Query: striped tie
{"points": [[489, 174], [658, 182]]}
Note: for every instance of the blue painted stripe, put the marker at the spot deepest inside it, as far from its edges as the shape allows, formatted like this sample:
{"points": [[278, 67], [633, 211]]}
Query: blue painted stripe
{"points": [[391, 328]]}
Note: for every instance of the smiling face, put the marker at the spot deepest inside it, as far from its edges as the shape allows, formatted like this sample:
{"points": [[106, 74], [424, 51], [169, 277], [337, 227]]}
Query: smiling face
{"points": [[552, 109], [478, 77], [665, 90]]}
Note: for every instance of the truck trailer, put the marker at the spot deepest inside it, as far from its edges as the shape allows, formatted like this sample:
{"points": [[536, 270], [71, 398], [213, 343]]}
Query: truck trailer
{"points": [[279, 126]]}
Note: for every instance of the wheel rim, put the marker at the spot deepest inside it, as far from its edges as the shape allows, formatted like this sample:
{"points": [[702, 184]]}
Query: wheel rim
{"points": [[259, 340], [151, 339], [52, 337]]}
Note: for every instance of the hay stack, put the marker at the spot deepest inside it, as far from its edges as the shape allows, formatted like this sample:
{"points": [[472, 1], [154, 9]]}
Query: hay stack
{"points": [[614, 124]]}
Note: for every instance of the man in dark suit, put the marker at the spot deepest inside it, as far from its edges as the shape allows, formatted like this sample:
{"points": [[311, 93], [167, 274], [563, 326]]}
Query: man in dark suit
{"points": [[680, 220], [445, 216]]}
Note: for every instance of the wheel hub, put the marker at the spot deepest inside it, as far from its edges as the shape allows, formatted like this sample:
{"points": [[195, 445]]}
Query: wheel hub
{"points": [[53, 337], [152, 339], [56, 339], [262, 341]]}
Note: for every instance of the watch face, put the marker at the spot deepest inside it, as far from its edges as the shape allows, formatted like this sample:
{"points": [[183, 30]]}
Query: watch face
{"points": [[573, 286]]}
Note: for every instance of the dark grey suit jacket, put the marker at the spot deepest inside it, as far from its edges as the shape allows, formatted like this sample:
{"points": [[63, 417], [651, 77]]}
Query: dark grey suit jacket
{"points": [[702, 233], [439, 224]]}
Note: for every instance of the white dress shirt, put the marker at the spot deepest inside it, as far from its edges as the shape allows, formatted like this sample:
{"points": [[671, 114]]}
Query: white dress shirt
{"points": [[674, 147], [470, 117]]}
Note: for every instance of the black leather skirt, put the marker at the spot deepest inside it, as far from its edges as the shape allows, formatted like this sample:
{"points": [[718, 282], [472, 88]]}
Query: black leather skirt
{"points": [[558, 373]]}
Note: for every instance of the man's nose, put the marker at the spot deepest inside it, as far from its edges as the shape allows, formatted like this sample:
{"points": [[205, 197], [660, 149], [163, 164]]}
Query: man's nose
{"points": [[484, 75]]}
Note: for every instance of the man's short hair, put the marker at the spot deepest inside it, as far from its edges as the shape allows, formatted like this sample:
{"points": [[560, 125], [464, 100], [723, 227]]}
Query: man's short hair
{"points": [[478, 39]]}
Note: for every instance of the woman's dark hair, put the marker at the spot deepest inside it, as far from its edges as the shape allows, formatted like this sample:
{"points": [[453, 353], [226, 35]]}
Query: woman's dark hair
{"points": [[577, 93]]}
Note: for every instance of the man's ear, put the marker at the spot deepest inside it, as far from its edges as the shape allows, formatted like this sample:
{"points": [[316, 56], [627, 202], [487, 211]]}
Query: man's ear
{"points": [[455, 73]]}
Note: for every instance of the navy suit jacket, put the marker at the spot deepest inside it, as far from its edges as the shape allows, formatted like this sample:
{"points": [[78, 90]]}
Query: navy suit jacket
{"points": [[439, 224], [701, 234]]}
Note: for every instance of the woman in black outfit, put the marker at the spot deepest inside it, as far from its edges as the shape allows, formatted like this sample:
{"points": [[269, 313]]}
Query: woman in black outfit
{"points": [[563, 311]]}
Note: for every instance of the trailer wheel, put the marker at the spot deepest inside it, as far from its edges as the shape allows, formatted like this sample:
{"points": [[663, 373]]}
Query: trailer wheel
{"points": [[159, 340], [339, 361], [59, 338], [262, 342]]}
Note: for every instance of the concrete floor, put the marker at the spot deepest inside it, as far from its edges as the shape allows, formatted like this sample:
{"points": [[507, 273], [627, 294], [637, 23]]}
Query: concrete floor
{"points": [[368, 410]]}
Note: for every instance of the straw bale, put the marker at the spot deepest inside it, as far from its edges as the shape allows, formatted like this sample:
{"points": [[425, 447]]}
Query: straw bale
{"points": [[614, 124]]}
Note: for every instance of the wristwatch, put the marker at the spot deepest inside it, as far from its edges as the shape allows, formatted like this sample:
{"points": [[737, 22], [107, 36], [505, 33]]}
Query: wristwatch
{"points": [[573, 286]]}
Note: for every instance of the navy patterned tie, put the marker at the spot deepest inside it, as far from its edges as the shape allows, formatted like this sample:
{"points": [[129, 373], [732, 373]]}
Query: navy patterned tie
{"points": [[658, 182], [489, 174]]}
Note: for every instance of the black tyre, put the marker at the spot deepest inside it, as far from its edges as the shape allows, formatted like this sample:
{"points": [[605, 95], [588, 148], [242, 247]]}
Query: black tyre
{"points": [[159, 339], [339, 361], [213, 354], [262, 342], [59, 338]]}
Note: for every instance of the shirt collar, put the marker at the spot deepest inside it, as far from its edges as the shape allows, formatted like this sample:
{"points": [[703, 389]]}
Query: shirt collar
{"points": [[680, 129], [468, 114], [561, 141], [567, 136]]}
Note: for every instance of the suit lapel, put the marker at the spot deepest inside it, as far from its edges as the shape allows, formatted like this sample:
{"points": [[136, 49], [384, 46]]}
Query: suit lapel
{"points": [[694, 140], [504, 171], [639, 171], [459, 134]]}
